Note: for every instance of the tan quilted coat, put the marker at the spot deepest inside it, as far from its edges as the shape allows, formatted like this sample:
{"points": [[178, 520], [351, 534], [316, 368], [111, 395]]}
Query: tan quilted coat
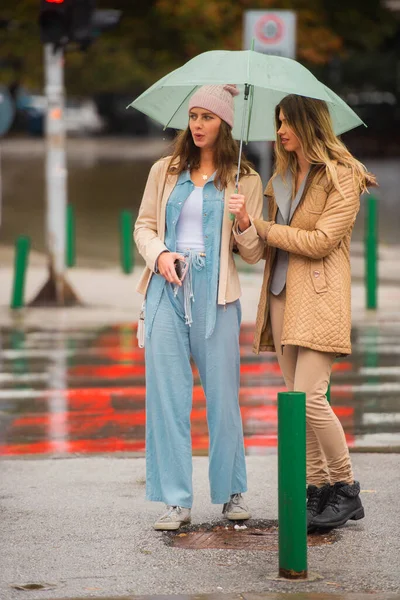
{"points": [[318, 303]]}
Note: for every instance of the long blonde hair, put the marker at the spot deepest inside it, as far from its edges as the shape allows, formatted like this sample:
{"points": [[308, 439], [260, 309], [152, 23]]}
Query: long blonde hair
{"points": [[311, 122], [186, 155]]}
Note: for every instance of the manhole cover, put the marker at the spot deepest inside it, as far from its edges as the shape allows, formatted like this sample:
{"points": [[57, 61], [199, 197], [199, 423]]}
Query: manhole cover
{"points": [[259, 536]]}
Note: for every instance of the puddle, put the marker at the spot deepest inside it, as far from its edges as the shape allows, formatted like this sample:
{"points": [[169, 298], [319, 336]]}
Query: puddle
{"points": [[83, 392]]}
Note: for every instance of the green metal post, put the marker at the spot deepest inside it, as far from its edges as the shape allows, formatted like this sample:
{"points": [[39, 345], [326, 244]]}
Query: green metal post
{"points": [[70, 245], [22, 246], [328, 393], [371, 251], [292, 485], [126, 230]]}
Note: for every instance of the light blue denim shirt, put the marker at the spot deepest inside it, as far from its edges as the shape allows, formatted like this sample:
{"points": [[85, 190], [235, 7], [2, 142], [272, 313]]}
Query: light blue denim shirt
{"points": [[213, 210]]}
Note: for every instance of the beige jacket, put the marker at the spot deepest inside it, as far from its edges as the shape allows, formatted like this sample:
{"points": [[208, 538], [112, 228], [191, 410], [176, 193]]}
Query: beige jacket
{"points": [[318, 283], [150, 228]]}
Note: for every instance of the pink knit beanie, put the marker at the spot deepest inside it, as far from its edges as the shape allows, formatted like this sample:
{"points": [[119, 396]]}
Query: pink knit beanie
{"points": [[217, 99]]}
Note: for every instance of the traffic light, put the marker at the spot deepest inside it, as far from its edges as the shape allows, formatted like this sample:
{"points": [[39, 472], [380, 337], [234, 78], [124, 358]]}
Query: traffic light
{"points": [[63, 21], [87, 23], [54, 21], [82, 14]]}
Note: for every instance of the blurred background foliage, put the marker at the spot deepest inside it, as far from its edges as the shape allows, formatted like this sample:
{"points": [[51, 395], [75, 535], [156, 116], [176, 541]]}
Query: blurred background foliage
{"points": [[356, 46]]}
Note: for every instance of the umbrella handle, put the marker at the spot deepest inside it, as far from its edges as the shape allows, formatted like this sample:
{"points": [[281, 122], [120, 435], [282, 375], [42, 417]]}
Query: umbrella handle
{"points": [[232, 216]]}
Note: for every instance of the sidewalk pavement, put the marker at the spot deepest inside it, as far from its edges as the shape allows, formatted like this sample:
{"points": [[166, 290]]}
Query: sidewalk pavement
{"points": [[82, 525], [109, 296]]}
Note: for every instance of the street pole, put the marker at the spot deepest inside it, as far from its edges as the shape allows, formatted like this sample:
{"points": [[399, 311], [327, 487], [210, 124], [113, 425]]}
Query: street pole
{"points": [[56, 170], [292, 485], [56, 290], [371, 252], [264, 151], [269, 32]]}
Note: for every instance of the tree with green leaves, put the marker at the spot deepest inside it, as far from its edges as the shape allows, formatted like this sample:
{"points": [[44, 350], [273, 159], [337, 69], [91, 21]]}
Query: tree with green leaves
{"points": [[157, 36]]}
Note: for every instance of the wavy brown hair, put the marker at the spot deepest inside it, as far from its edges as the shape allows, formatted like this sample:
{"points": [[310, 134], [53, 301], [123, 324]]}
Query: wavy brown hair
{"points": [[186, 155], [312, 124]]}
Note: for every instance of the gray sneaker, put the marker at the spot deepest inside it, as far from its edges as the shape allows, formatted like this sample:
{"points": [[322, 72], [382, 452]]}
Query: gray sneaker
{"points": [[173, 518], [236, 509]]}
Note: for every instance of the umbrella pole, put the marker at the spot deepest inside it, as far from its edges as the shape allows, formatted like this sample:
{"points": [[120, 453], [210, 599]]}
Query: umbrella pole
{"points": [[244, 118]]}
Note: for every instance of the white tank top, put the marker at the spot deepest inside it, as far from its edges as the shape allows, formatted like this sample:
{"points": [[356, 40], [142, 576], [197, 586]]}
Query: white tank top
{"points": [[189, 229]]}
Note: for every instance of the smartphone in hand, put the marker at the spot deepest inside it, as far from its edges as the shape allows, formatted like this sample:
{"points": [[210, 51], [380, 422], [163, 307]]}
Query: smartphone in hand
{"points": [[181, 267]]}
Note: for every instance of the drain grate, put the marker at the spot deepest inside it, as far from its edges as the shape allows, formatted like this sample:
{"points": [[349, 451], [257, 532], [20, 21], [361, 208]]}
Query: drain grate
{"points": [[254, 537]]}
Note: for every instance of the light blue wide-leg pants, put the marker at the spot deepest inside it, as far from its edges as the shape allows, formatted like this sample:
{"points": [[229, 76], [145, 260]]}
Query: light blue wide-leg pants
{"points": [[169, 386]]}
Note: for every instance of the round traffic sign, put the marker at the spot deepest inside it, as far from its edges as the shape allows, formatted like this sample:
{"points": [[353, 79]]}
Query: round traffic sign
{"points": [[7, 110], [269, 29]]}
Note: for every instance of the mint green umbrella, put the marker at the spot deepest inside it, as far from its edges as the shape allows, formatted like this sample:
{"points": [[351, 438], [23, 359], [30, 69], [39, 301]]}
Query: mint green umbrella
{"points": [[263, 81]]}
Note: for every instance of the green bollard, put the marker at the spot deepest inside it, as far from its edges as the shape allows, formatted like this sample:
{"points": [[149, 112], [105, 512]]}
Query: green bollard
{"points": [[22, 246], [126, 230], [70, 245], [328, 393], [371, 251], [292, 485]]}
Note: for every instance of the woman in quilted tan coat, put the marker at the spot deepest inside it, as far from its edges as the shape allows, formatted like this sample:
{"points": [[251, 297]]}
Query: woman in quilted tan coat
{"points": [[304, 309]]}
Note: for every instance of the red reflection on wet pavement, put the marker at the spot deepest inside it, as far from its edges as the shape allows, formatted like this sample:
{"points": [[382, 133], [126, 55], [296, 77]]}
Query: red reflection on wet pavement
{"points": [[121, 371], [86, 446], [105, 414]]}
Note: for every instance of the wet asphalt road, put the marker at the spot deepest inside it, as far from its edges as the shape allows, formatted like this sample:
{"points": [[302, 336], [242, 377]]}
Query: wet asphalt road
{"points": [[81, 526], [83, 391]]}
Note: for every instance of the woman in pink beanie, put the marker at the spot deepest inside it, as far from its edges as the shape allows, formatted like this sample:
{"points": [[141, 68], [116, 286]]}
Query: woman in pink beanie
{"points": [[192, 309]]}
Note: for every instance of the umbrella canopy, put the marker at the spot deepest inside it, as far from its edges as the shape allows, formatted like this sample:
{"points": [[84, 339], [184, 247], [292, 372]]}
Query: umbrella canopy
{"points": [[270, 78]]}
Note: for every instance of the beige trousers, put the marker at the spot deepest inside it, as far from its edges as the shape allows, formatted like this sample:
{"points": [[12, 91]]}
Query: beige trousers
{"points": [[309, 371]]}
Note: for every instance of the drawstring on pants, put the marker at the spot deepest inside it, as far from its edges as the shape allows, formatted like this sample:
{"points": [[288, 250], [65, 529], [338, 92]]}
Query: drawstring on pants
{"points": [[141, 326], [195, 260]]}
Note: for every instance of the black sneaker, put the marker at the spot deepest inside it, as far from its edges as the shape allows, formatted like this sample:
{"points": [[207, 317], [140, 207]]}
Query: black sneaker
{"points": [[344, 503], [316, 501]]}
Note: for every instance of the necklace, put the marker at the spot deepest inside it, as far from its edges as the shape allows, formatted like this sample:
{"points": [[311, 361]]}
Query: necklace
{"points": [[203, 175]]}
